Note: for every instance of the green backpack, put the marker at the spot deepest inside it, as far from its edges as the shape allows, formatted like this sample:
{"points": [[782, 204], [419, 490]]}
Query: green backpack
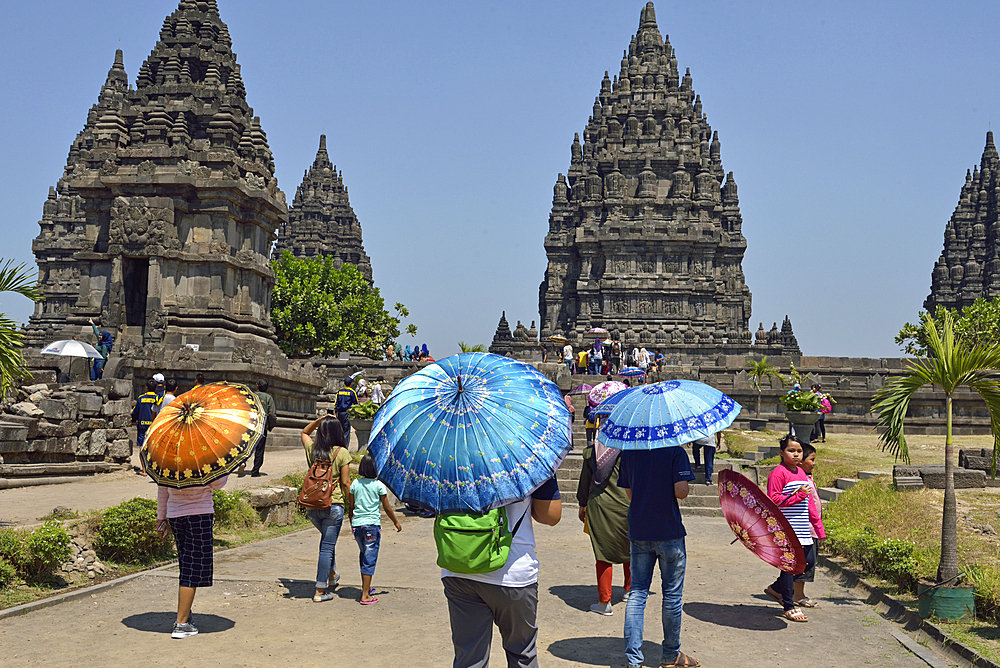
{"points": [[474, 542]]}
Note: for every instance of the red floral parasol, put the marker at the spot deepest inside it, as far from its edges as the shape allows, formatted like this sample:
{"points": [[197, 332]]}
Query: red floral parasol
{"points": [[759, 524]]}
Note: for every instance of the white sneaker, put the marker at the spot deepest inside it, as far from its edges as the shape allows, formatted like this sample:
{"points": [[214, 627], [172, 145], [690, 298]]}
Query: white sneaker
{"points": [[602, 609], [184, 630], [625, 599]]}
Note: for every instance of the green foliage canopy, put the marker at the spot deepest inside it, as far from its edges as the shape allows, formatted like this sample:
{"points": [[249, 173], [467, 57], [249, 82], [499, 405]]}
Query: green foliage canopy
{"points": [[975, 324], [318, 309]]}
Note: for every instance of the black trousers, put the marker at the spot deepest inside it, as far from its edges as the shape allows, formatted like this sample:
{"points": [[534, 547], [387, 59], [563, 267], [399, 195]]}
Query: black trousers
{"points": [[258, 455]]}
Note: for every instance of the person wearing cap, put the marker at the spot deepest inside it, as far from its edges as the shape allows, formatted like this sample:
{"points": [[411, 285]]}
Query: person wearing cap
{"points": [[161, 390], [346, 398]]}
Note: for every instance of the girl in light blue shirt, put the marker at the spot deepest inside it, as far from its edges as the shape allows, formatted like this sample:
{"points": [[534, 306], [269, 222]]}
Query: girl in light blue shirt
{"points": [[367, 496]]}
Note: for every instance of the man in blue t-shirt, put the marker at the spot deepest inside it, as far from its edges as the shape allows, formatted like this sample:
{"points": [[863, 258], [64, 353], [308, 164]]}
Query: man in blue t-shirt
{"points": [[346, 398], [657, 534]]}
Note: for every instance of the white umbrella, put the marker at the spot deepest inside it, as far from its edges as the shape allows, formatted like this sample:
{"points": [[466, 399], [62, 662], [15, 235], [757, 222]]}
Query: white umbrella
{"points": [[72, 348]]}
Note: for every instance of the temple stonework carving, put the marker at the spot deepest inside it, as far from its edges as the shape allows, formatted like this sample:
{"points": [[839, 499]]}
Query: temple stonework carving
{"points": [[321, 220], [162, 223], [969, 266], [645, 234]]}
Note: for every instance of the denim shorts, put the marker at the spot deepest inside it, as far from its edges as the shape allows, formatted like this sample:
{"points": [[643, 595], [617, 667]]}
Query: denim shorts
{"points": [[369, 538]]}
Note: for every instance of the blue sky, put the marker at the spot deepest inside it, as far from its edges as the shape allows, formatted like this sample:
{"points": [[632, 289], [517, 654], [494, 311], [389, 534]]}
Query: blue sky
{"points": [[849, 127]]}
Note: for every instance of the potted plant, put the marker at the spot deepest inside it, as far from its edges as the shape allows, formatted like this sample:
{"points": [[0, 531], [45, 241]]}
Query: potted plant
{"points": [[951, 363], [759, 371], [362, 416], [801, 408]]}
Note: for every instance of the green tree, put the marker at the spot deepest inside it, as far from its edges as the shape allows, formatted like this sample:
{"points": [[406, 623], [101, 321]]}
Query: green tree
{"points": [[19, 280], [977, 323], [952, 363], [466, 348], [758, 371], [318, 309]]}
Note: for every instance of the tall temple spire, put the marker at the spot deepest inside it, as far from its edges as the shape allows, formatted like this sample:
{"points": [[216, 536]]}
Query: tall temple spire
{"points": [[644, 239], [321, 220], [969, 265], [168, 205]]}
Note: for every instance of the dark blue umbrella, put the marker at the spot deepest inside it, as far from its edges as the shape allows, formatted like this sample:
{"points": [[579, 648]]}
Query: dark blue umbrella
{"points": [[470, 433]]}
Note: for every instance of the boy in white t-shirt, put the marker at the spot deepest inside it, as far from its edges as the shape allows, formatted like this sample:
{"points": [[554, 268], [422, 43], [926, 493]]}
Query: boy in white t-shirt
{"points": [[507, 596]]}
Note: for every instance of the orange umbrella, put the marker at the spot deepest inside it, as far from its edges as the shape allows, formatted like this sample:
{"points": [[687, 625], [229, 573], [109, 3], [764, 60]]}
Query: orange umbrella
{"points": [[203, 435]]}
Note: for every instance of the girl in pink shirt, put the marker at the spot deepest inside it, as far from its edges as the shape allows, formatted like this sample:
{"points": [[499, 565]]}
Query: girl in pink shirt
{"points": [[788, 486], [188, 514]]}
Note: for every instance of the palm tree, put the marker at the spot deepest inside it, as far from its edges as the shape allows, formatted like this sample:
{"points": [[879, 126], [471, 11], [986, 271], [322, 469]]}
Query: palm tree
{"points": [[952, 364], [466, 348], [14, 279], [759, 371]]}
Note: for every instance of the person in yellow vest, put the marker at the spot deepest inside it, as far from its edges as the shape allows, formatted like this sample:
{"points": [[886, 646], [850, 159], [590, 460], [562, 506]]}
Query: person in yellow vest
{"points": [[346, 398], [146, 408]]}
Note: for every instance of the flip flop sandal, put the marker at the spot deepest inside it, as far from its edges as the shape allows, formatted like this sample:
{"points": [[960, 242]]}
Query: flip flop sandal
{"points": [[795, 615], [773, 594], [371, 602], [323, 597], [682, 661], [807, 603]]}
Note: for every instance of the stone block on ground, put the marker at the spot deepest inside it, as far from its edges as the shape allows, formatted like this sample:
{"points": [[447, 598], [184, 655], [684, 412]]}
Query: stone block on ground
{"points": [[40, 376], [13, 432], [98, 442], [845, 483], [31, 389], [58, 409], [275, 505], [83, 444], [47, 429], [829, 493], [31, 424], [116, 434], [115, 408], [120, 449], [120, 389], [867, 475], [933, 477], [27, 409], [53, 446], [121, 421], [93, 423], [908, 482], [89, 404]]}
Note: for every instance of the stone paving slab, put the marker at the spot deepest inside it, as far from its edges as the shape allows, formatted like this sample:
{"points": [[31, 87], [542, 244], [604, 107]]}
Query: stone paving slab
{"points": [[260, 613]]}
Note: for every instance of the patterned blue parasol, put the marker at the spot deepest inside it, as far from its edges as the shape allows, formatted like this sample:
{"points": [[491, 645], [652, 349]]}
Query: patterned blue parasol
{"points": [[470, 433], [666, 414], [631, 372]]}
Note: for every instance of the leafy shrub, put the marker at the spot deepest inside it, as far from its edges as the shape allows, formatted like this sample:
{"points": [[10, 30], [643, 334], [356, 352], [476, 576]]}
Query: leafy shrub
{"points": [[8, 574], [364, 411], [33, 555], [891, 559], [48, 546], [233, 511], [14, 548], [127, 534]]}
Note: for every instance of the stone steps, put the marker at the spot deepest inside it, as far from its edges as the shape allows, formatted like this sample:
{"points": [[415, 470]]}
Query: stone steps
{"points": [[829, 493], [909, 482], [845, 483]]}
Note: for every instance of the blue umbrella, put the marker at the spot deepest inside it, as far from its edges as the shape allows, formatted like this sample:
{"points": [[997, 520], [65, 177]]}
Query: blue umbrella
{"points": [[666, 414], [470, 433], [631, 372]]}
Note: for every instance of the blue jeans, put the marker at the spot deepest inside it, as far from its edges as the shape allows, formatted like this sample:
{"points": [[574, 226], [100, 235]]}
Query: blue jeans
{"points": [[672, 558], [345, 422], [328, 522], [368, 538], [97, 370]]}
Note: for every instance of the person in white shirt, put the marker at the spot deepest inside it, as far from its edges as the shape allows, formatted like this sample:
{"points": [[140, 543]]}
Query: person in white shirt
{"points": [[378, 397], [508, 596]]}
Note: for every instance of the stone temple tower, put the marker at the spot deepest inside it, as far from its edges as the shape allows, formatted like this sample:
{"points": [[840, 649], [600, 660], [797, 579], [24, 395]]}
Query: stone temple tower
{"points": [[969, 266], [162, 223], [645, 234], [321, 220]]}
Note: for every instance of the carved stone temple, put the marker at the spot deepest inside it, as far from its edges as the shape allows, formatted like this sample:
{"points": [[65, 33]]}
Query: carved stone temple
{"points": [[645, 234], [321, 220], [162, 223], [969, 266]]}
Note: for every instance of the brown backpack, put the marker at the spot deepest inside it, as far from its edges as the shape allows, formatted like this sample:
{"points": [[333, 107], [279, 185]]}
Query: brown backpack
{"points": [[317, 490]]}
